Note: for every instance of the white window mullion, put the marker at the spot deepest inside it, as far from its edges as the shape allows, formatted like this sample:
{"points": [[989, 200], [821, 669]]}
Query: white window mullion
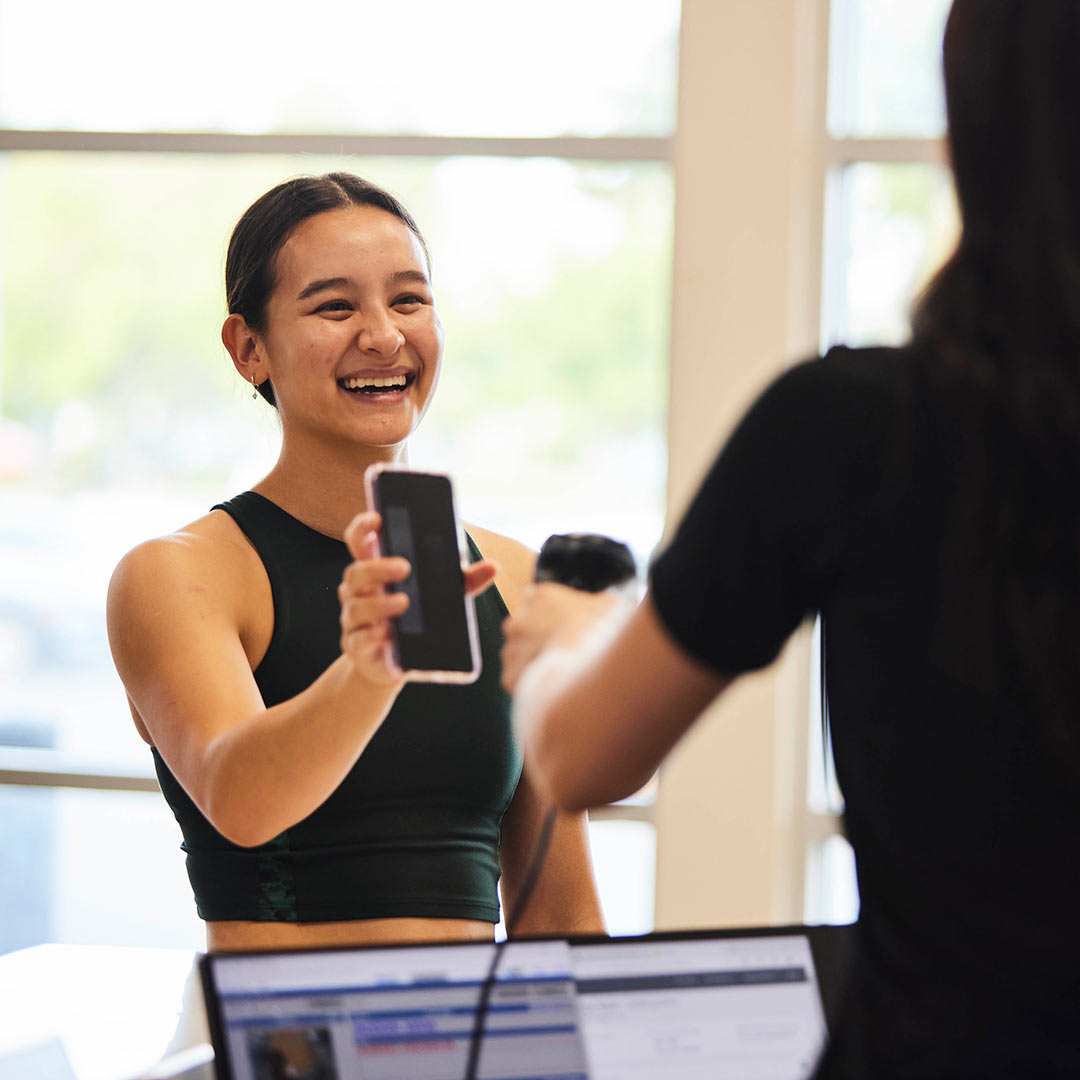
{"points": [[602, 148], [849, 151]]}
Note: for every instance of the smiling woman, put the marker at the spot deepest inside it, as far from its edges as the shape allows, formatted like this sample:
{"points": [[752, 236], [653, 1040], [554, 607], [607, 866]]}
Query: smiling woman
{"points": [[322, 799], [352, 311]]}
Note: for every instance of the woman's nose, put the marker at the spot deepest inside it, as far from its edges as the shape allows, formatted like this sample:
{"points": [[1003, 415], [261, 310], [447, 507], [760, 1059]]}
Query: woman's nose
{"points": [[379, 334]]}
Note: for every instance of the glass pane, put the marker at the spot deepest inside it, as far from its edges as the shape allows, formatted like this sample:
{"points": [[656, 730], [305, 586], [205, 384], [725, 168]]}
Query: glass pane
{"points": [[894, 225], [624, 859], [473, 67], [823, 794], [92, 868], [886, 68], [832, 893], [105, 868], [121, 417]]}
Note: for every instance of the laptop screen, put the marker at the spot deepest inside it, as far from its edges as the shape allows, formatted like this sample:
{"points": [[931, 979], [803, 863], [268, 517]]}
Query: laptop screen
{"points": [[741, 1007], [745, 1007]]}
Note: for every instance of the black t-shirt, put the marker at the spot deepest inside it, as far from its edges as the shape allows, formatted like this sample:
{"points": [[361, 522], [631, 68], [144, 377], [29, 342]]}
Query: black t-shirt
{"points": [[837, 494]]}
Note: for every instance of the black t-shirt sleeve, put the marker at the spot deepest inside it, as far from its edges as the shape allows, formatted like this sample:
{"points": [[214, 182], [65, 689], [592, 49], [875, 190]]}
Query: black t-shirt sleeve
{"points": [[769, 526]]}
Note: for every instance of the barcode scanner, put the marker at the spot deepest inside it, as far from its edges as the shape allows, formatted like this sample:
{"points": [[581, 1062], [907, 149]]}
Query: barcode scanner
{"points": [[585, 561], [592, 563]]}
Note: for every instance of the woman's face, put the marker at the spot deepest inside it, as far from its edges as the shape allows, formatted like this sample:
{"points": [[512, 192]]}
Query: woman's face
{"points": [[353, 342]]}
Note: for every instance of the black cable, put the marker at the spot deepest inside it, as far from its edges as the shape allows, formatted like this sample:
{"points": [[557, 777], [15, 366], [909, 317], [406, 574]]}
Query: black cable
{"points": [[531, 877], [592, 563]]}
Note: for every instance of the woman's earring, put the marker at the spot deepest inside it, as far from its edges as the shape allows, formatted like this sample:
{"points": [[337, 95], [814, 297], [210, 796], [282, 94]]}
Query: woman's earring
{"points": [[254, 389]]}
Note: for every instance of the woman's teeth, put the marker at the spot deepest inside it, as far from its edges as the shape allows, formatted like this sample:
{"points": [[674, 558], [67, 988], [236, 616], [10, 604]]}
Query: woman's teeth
{"points": [[390, 382]]}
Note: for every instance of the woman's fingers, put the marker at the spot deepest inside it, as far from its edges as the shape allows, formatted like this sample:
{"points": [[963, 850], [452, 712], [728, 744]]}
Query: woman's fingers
{"points": [[365, 643], [360, 534], [367, 605], [369, 574], [365, 631], [479, 576], [360, 611]]}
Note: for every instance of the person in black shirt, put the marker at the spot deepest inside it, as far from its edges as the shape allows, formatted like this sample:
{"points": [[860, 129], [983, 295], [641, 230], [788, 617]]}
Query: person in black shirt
{"points": [[926, 501]]}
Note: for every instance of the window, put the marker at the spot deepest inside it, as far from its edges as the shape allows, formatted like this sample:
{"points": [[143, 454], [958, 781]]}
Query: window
{"points": [[257, 67], [130, 145], [890, 221]]}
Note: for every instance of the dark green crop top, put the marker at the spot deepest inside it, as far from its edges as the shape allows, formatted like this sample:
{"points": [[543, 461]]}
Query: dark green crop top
{"points": [[413, 830]]}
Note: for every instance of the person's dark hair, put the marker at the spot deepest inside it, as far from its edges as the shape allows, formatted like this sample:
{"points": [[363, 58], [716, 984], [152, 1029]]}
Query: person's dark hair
{"points": [[1002, 318], [251, 261], [1012, 99]]}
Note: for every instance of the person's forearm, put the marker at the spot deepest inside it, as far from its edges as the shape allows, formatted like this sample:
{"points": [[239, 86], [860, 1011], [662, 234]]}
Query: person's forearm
{"points": [[563, 713], [597, 718], [266, 774]]}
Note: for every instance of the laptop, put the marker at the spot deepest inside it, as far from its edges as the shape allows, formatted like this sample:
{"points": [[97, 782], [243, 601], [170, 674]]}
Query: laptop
{"points": [[742, 1004]]}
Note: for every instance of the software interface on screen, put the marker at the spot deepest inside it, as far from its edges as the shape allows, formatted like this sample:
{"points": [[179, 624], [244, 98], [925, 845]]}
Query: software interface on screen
{"points": [[739, 1008], [407, 1014]]}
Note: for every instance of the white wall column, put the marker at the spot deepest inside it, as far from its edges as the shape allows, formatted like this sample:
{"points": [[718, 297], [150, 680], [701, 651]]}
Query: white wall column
{"points": [[746, 288]]}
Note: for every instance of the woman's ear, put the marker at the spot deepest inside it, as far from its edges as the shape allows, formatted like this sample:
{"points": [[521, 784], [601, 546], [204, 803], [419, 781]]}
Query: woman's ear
{"points": [[245, 349]]}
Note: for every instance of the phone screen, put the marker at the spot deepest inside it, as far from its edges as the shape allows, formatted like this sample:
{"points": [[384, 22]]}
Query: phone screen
{"points": [[436, 633]]}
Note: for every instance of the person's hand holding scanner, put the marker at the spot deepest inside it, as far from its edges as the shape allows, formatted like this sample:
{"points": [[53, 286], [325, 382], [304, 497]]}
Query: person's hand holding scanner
{"points": [[550, 616], [553, 635], [366, 605], [601, 693]]}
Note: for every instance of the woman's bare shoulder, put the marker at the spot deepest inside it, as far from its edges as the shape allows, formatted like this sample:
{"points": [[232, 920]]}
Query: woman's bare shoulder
{"points": [[206, 564], [209, 546], [196, 600], [517, 562]]}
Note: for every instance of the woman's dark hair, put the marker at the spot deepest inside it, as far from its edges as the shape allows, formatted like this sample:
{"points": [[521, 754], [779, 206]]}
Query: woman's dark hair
{"points": [[1002, 320], [251, 261], [1013, 99]]}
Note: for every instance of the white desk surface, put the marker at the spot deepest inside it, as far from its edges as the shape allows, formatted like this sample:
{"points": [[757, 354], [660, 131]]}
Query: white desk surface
{"points": [[113, 1010]]}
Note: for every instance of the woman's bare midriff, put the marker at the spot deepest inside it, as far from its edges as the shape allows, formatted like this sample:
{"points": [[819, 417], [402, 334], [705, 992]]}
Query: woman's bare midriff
{"points": [[230, 936]]}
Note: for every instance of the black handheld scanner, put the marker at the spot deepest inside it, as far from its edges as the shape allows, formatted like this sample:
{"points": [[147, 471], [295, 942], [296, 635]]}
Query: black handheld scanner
{"points": [[585, 561]]}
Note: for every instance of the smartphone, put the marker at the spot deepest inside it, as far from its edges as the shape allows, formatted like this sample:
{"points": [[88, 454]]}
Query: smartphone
{"points": [[435, 639]]}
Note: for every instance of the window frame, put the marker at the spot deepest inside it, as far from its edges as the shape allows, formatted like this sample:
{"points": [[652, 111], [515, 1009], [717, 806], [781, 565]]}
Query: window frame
{"points": [[838, 154], [815, 265], [56, 769], [737, 839]]}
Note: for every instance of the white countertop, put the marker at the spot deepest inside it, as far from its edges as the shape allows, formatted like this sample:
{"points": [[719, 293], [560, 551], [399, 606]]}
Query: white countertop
{"points": [[112, 1010]]}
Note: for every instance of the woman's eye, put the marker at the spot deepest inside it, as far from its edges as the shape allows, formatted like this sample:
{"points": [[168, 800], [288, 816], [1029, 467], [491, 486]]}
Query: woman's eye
{"points": [[334, 305], [409, 299]]}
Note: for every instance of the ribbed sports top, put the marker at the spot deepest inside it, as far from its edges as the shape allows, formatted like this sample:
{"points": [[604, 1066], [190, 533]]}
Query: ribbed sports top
{"points": [[413, 830]]}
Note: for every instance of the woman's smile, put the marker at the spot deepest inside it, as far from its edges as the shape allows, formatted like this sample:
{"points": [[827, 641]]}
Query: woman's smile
{"points": [[378, 388]]}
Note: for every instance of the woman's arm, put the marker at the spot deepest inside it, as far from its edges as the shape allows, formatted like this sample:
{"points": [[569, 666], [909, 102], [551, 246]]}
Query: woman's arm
{"points": [[600, 699], [178, 614], [564, 900]]}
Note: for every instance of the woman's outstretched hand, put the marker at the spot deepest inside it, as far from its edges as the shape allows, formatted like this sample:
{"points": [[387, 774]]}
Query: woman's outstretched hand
{"points": [[366, 605]]}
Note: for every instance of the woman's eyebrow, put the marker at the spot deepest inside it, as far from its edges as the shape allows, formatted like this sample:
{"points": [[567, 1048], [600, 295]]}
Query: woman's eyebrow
{"points": [[416, 277], [321, 285]]}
